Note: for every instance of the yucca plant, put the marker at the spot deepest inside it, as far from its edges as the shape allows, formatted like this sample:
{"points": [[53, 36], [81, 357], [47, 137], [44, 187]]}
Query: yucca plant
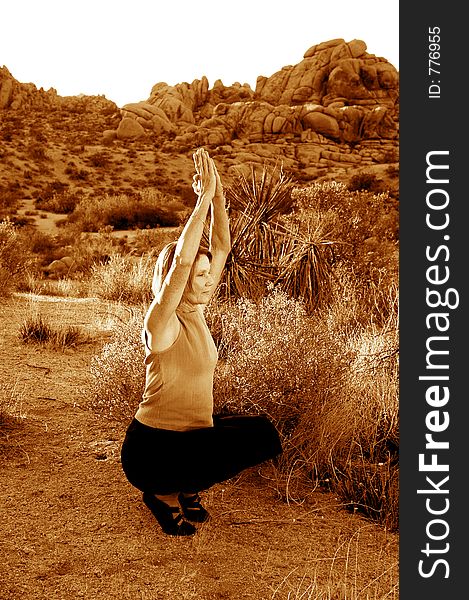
{"points": [[304, 264], [265, 249], [255, 204]]}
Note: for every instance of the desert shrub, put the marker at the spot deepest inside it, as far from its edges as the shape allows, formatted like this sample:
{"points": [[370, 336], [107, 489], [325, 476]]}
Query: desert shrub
{"points": [[123, 279], [14, 258], [100, 160], [77, 174], [37, 151], [152, 241], [10, 129], [354, 216], [41, 243], [8, 202], [362, 229], [61, 202], [352, 441], [329, 382], [118, 373], [364, 182], [87, 249], [268, 363], [22, 221], [149, 208]]}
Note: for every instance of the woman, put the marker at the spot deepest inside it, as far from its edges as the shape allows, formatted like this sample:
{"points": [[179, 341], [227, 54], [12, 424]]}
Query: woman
{"points": [[175, 447]]}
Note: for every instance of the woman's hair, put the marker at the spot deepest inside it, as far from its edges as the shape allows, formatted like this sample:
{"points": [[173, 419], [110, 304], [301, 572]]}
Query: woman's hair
{"points": [[165, 260]]}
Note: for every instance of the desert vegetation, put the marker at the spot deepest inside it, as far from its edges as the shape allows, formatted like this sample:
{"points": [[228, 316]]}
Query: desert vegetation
{"points": [[305, 319]]}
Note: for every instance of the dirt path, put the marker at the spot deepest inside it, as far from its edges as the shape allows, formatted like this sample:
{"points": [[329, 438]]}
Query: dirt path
{"points": [[44, 221], [74, 528]]}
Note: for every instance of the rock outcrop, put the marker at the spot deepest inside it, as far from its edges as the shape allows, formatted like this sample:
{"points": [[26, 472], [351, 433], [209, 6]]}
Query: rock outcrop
{"points": [[339, 99], [337, 91], [26, 96], [335, 110]]}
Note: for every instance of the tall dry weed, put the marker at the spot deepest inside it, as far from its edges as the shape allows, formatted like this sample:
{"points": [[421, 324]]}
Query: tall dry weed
{"points": [[123, 279], [14, 257]]}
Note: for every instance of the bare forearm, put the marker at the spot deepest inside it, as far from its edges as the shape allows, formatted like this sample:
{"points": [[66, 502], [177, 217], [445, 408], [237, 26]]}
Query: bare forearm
{"points": [[220, 239], [189, 240], [205, 187]]}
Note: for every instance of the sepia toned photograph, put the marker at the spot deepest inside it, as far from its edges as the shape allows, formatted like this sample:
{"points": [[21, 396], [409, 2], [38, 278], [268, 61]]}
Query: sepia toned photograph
{"points": [[199, 300]]}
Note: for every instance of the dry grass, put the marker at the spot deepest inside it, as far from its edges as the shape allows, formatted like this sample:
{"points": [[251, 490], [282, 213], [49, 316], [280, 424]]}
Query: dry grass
{"points": [[54, 333], [117, 372], [331, 392], [123, 279], [11, 405], [338, 579]]}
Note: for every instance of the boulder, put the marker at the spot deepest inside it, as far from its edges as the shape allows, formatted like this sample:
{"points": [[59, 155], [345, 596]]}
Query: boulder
{"points": [[129, 129], [322, 123], [60, 268]]}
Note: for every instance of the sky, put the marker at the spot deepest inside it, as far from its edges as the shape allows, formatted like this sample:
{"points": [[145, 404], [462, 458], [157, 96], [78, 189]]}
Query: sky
{"points": [[122, 48]]}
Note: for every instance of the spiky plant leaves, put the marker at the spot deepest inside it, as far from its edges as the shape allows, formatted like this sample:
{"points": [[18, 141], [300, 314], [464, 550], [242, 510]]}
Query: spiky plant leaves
{"points": [[255, 206], [304, 266]]}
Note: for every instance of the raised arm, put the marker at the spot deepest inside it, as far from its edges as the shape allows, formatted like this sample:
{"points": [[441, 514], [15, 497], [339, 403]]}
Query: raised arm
{"points": [[220, 239], [161, 325]]}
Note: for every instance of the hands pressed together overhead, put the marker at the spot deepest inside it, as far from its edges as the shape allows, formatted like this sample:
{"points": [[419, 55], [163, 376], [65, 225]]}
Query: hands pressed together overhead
{"points": [[206, 179]]}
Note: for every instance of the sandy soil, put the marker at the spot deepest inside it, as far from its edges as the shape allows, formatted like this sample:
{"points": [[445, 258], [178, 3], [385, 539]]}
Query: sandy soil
{"points": [[73, 527]]}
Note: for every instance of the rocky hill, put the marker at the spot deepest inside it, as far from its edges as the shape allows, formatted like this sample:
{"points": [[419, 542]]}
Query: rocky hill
{"points": [[333, 113]]}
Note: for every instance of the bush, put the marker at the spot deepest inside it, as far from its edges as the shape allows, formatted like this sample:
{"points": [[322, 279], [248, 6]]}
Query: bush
{"points": [[329, 383], [362, 229], [268, 359], [14, 259], [41, 243], [63, 202], [365, 182], [37, 152], [150, 209], [352, 441], [100, 160], [8, 202], [152, 241], [118, 372]]}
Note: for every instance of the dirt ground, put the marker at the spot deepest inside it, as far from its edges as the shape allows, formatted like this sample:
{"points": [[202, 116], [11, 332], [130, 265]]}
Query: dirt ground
{"points": [[73, 527]]}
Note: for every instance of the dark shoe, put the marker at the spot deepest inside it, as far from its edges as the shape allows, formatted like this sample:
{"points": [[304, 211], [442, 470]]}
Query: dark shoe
{"points": [[192, 508], [170, 518]]}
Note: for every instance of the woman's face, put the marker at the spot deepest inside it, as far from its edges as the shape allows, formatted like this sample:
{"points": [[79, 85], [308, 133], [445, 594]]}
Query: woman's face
{"points": [[201, 284]]}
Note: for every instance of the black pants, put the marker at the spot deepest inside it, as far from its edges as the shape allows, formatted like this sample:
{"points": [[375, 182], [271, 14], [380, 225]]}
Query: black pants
{"points": [[161, 461]]}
